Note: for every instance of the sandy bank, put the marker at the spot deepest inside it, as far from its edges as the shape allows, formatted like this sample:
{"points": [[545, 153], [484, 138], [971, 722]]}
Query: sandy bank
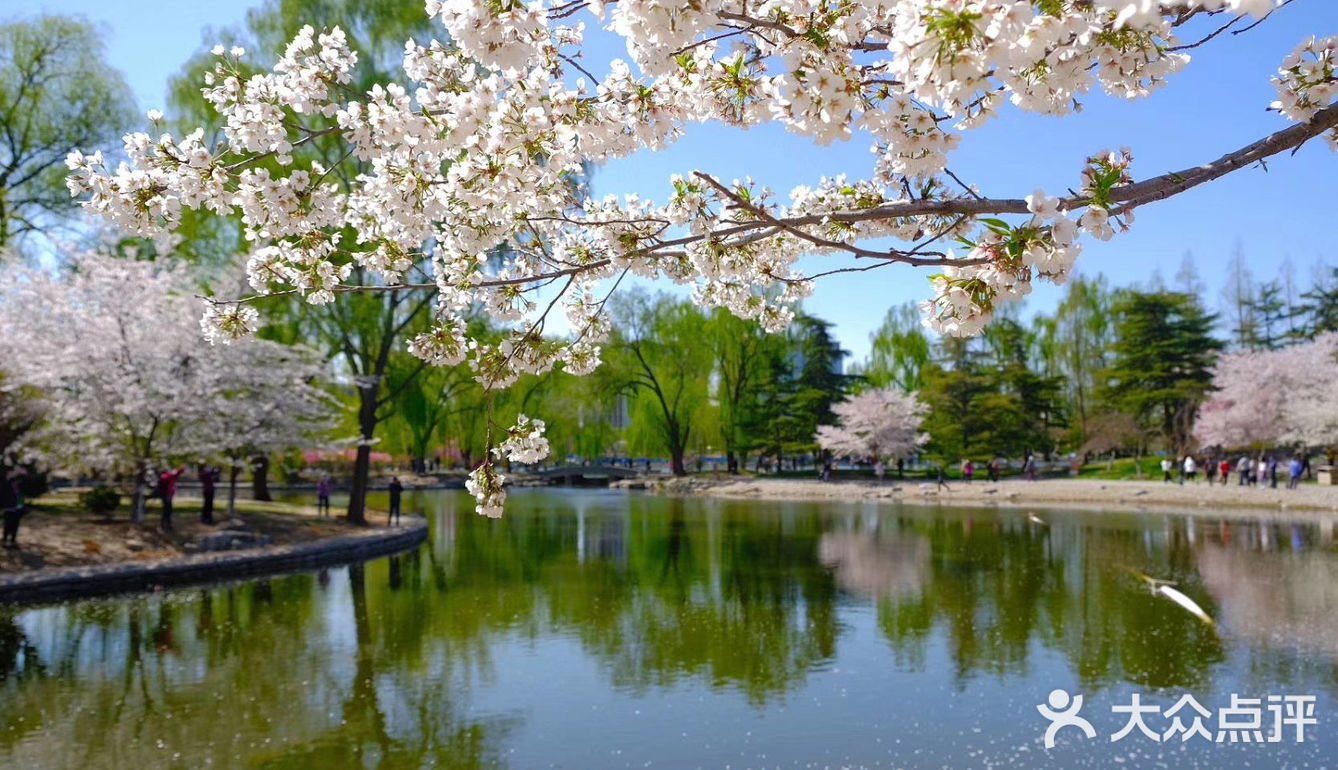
{"points": [[1115, 494]]}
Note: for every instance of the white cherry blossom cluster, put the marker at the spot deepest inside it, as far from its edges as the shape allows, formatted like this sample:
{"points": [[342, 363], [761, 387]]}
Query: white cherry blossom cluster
{"points": [[1008, 258], [223, 324], [525, 442], [487, 487], [465, 179], [1307, 82], [442, 345]]}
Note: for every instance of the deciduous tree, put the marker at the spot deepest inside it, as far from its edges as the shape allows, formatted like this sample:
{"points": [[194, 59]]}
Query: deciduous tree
{"points": [[663, 362], [57, 94], [900, 350], [1271, 397], [749, 362], [114, 348], [875, 424]]}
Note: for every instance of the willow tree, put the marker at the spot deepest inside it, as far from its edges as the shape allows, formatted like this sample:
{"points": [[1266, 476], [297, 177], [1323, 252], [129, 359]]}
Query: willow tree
{"points": [[57, 94], [658, 356], [900, 350], [749, 363]]}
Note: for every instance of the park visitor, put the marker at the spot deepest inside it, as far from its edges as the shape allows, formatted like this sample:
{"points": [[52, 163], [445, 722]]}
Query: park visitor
{"points": [[11, 503], [209, 476], [396, 490], [167, 490], [323, 495]]}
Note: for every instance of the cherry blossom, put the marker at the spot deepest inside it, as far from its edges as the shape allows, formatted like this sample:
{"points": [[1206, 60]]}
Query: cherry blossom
{"points": [[485, 484], [875, 423], [525, 442], [114, 349], [1274, 397], [462, 176]]}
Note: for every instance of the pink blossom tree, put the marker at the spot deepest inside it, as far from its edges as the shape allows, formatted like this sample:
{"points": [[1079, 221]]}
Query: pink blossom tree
{"points": [[875, 424], [113, 347], [1310, 407], [1274, 397], [268, 398], [1247, 408]]}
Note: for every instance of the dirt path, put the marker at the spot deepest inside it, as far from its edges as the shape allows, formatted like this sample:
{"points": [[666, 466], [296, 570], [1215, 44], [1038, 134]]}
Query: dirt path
{"points": [[58, 533], [1120, 494]]}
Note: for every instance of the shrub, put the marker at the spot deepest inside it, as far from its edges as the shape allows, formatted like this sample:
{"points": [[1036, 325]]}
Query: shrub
{"points": [[101, 499]]}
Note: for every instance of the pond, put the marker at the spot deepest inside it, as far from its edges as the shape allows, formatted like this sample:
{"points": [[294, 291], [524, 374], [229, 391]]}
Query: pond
{"points": [[596, 629]]}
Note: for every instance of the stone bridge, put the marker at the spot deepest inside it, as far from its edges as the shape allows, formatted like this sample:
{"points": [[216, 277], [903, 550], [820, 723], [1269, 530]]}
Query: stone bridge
{"points": [[587, 475]]}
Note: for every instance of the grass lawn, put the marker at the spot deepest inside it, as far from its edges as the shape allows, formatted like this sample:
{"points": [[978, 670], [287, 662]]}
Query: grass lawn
{"points": [[1121, 469]]}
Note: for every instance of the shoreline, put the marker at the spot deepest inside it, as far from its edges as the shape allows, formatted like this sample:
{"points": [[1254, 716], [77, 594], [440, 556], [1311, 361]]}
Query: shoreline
{"points": [[1192, 498], [63, 583], [67, 552]]}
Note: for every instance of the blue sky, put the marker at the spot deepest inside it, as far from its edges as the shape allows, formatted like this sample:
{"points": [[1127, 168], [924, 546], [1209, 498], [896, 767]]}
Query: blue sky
{"points": [[1215, 105]]}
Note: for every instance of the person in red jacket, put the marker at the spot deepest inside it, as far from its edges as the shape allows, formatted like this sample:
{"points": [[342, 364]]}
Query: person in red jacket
{"points": [[167, 489]]}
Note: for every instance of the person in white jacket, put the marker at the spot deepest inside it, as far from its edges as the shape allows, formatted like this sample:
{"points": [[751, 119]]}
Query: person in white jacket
{"points": [[1190, 468]]}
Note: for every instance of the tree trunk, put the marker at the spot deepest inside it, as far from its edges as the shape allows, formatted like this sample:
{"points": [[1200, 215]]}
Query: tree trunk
{"points": [[676, 461], [260, 479], [362, 464], [233, 473], [357, 493], [137, 511]]}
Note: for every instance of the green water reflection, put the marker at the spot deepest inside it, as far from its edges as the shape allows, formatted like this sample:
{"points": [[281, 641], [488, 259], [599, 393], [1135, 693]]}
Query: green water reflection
{"points": [[595, 629]]}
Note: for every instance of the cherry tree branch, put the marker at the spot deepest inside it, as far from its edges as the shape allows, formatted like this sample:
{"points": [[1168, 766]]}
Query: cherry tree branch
{"points": [[891, 255]]}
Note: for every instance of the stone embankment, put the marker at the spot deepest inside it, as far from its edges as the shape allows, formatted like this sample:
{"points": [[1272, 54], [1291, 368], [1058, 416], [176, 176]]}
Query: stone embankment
{"points": [[227, 555]]}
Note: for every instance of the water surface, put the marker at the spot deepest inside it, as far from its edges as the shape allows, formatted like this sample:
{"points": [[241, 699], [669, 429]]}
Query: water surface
{"points": [[593, 629]]}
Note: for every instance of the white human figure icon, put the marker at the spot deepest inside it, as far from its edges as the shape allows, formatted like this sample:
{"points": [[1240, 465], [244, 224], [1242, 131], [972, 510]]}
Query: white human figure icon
{"points": [[1063, 712]]}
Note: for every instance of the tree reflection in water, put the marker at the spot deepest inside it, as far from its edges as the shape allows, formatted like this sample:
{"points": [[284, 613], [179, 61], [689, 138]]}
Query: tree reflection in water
{"points": [[396, 663]]}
